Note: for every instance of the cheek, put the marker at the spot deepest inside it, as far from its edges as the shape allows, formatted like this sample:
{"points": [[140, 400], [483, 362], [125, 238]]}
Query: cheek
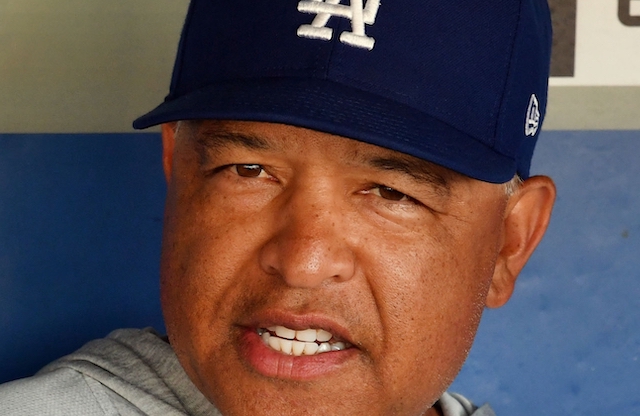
{"points": [[433, 274], [430, 297], [200, 255]]}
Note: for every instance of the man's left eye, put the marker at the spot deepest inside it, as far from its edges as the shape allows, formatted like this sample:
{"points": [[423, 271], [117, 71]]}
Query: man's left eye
{"points": [[249, 171], [389, 193]]}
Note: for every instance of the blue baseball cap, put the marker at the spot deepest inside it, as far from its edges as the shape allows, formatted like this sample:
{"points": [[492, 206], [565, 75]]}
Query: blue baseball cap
{"points": [[459, 83]]}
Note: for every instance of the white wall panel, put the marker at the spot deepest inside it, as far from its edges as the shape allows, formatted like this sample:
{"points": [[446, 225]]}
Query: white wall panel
{"points": [[84, 65], [94, 66]]}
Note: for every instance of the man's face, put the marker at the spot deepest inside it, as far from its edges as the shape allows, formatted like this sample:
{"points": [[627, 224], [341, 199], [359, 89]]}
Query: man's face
{"points": [[272, 229]]}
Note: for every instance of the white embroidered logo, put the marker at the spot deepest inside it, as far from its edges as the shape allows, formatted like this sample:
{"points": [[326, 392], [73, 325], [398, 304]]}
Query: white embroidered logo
{"points": [[355, 11], [533, 117]]}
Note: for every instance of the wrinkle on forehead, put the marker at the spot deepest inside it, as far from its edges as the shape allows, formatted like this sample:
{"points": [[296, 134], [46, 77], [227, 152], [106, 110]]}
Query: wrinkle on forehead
{"points": [[211, 136]]}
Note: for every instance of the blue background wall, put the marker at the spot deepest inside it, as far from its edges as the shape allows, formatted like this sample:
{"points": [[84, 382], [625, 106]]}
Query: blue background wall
{"points": [[80, 228], [80, 224], [568, 343]]}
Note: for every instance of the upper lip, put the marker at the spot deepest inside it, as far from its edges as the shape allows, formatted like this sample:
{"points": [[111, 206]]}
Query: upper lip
{"points": [[299, 322]]}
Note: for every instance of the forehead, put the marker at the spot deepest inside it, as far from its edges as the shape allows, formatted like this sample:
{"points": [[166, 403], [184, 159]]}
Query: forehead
{"points": [[282, 139]]}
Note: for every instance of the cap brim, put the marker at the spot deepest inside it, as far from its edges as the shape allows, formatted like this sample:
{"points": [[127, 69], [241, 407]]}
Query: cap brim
{"points": [[333, 108]]}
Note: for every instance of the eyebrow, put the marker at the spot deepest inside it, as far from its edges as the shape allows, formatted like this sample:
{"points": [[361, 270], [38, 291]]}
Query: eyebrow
{"points": [[419, 170], [214, 139]]}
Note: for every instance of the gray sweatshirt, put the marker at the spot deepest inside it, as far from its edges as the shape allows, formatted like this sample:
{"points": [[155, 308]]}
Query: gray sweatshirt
{"points": [[131, 372]]}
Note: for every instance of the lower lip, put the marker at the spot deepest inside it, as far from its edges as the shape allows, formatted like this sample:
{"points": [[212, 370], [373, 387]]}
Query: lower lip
{"points": [[271, 363]]}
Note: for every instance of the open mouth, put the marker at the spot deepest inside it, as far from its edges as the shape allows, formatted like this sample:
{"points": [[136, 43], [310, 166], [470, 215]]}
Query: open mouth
{"points": [[298, 343]]}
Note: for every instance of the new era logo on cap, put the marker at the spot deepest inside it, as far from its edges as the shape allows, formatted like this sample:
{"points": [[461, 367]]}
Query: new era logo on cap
{"points": [[533, 117], [356, 11]]}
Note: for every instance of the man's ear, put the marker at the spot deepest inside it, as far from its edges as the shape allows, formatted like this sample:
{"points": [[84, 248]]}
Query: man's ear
{"points": [[168, 144], [526, 218]]}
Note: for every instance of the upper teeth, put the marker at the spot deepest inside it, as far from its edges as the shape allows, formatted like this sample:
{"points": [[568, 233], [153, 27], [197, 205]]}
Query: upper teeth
{"points": [[292, 342], [307, 335]]}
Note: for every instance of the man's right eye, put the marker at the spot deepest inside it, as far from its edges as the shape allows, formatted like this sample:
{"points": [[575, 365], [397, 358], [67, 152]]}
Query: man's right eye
{"points": [[249, 171]]}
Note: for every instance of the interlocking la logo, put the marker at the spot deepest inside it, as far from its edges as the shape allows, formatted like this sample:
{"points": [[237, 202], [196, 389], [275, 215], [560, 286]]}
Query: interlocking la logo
{"points": [[356, 11]]}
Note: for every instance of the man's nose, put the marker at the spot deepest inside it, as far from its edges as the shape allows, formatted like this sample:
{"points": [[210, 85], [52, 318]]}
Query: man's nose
{"points": [[309, 245]]}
